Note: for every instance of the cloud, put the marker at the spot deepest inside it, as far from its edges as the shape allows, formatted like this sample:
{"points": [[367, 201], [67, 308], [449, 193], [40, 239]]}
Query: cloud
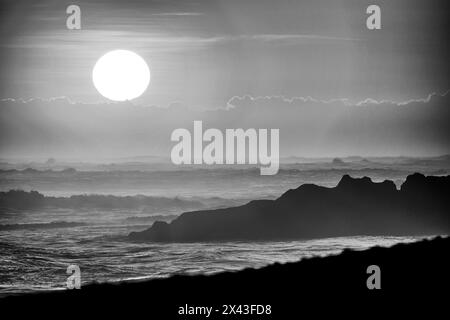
{"points": [[236, 100], [295, 38], [178, 14], [60, 127]]}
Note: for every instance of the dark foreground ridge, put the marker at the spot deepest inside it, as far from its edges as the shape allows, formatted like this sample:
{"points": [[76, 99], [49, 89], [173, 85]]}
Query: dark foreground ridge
{"points": [[353, 207], [413, 277]]}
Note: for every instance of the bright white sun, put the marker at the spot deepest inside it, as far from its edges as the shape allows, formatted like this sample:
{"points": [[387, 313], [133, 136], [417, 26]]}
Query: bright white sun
{"points": [[121, 75]]}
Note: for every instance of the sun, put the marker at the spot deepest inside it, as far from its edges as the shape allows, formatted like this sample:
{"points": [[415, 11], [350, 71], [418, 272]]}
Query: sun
{"points": [[121, 75]]}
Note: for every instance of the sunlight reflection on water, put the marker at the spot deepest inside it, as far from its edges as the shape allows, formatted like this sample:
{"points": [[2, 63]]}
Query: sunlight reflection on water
{"points": [[37, 259]]}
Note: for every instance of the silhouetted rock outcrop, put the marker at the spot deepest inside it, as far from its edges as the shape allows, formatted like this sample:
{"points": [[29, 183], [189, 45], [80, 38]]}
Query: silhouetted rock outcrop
{"points": [[353, 207], [338, 161]]}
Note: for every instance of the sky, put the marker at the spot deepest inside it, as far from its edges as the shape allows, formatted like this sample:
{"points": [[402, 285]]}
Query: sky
{"points": [[203, 52], [231, 55]]}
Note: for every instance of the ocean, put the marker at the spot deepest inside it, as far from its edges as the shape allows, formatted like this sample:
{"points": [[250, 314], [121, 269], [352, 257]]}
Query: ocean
{"points": [[37, 260], [37, 244]]}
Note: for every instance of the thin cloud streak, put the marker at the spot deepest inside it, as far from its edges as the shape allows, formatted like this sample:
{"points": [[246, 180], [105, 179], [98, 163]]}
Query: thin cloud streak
{"points": [[344, 101], [178, 14], [58, 39]]}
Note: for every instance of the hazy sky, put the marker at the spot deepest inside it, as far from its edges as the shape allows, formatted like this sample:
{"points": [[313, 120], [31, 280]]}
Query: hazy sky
{"points": [[308, 127], [203, 52], [261, 59]]}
